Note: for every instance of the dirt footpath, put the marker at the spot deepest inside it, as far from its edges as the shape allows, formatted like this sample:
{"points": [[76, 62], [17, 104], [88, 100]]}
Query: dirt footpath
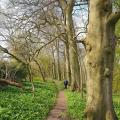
{"points": [[59, 110]]}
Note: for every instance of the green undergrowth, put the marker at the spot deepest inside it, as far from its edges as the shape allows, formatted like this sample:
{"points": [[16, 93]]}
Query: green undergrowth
{"points": [[116, 100], [76, 105], [18, 104], [59, 84]]}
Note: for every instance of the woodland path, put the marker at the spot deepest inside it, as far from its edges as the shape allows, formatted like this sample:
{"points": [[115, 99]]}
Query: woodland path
{"points": [[59, 110]]}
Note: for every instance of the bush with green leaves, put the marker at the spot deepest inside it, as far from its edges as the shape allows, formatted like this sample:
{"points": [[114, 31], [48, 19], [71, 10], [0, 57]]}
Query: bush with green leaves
{"points": [[18, 104], [76, 105]]}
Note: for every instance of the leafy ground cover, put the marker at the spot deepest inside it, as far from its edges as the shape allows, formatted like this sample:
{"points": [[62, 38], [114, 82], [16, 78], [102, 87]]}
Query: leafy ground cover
{"points": [[59, 84], [116, 100], [16, 104], [76, 105]]}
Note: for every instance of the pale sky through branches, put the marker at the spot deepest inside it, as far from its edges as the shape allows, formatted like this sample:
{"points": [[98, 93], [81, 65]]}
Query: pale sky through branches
{"points": [[80, 19], [3, 4]]}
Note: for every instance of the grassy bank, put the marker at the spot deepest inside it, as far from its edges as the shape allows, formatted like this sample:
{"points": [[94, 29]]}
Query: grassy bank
{"points": [[76, 105], [17, 104]]}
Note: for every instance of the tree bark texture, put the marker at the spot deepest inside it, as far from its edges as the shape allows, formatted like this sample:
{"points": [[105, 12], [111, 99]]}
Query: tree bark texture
{"points": [[54, 66], [67, 7], [40, 69], [100, 46], [31, 79], [58, 61], [67, 63]]}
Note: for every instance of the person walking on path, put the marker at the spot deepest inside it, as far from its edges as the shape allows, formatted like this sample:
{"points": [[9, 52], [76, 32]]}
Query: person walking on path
{"points": [[65, 83]]}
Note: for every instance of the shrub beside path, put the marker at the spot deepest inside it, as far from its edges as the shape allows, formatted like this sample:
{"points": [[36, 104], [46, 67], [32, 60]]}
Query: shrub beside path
{"points": [[59, 110]]}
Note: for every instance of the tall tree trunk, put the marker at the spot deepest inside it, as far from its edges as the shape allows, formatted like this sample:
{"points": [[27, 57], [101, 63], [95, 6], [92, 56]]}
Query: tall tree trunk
{"points": [[100, 46], [54, 71], [67, 63], [75, 72], [82, 78], [58, 61], [83, 74], [54, 66], [63, 66], [6, 71], [40, 69], [67, 7], [31, 79]]}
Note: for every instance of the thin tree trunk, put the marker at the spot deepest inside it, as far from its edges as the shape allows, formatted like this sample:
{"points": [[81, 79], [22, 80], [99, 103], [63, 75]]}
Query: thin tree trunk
{"points": [[31, 79], [54, 66], [83, 74], [41, 72], [6, 71], [63, 68], [58, 61], [81, 77], [54, 71], [67, 61]]}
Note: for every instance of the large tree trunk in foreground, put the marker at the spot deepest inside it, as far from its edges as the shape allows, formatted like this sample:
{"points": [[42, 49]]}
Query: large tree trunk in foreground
{"points": [[100, 46]]}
